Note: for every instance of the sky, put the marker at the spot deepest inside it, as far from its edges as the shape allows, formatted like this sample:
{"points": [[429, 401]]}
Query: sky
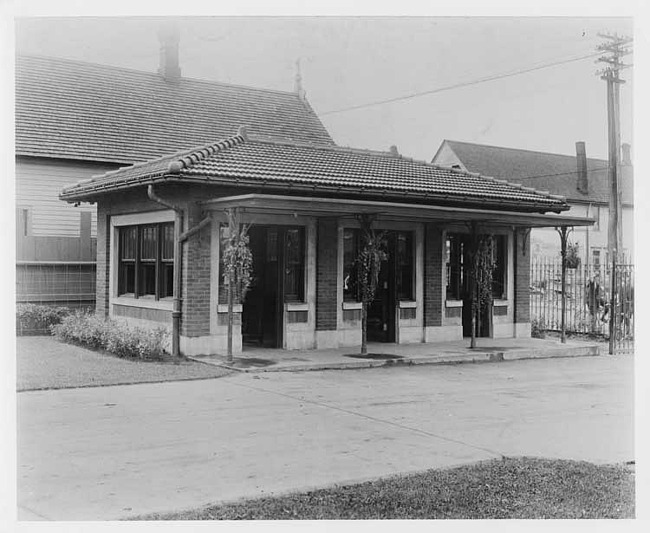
{"points": [[351, 61]]}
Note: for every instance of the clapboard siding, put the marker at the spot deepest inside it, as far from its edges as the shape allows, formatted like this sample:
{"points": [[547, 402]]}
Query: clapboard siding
{"points": [[38, 184]]}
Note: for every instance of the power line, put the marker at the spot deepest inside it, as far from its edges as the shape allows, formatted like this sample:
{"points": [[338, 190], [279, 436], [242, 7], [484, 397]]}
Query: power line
{"points": [[459, 85]]}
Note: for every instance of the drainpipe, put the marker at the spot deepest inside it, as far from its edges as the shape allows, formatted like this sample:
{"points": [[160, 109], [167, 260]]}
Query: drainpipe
{"points": [[515, 276], [178, 250]]}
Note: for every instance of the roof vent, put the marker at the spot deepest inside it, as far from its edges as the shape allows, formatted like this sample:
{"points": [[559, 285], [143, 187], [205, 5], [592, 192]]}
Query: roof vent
{"points": [[394, 151], [169, 37]]}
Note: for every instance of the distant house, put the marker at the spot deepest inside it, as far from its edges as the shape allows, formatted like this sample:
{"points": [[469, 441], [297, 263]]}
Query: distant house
{"points": [[76, 119], [582, 181]]}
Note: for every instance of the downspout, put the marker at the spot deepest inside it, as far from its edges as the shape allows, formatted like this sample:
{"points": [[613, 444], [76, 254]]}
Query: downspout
{"points": [[515, 278], [178, 250]]}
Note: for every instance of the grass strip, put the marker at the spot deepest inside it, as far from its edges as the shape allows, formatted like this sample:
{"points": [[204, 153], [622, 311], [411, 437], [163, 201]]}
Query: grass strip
{"points": [[520, 488]]}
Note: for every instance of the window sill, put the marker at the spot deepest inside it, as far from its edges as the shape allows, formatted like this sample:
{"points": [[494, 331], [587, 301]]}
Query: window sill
{"points": [[500, 303], [408, 304], [223, 308], [147, 303], [454, 303], [297, 306], [352, 305]]}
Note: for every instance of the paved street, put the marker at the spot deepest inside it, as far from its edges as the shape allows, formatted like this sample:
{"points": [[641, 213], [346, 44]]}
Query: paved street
{"points": [[110, 452]]}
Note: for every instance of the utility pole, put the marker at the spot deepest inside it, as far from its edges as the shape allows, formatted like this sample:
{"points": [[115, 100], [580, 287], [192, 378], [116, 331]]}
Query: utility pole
{"points": [[614, 48]]}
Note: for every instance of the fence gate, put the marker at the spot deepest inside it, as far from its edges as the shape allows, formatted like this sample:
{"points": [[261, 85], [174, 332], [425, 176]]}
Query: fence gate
{"points": [[622, 310], [590, 310]]}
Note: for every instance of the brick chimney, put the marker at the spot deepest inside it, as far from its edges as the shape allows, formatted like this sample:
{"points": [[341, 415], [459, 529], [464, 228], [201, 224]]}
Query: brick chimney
{"points": [[297, 83], [169, 37], [626, 158], [581, 161]]}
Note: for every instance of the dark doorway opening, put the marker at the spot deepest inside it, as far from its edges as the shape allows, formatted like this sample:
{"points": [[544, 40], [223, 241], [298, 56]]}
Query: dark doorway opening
{"points": [[278, 277]]}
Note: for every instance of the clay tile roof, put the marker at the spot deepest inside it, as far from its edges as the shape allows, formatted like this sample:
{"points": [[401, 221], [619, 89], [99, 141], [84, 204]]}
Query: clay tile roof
{"points": [[552, 172], [301, 166], [75, 110]]}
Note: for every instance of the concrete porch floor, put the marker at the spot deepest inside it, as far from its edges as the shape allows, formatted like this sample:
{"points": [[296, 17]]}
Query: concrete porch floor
{"points": [[254, 359]]}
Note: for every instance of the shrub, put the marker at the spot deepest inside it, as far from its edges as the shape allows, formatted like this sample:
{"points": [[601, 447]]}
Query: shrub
{"points": [[538, 328], [32, 319], [116, 337]]}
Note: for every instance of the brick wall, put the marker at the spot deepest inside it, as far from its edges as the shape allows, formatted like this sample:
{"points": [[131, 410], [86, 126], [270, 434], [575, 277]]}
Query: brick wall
{"points": [[103, 261], [433, 280], [326, 272], [522, 278], [195, 305]]}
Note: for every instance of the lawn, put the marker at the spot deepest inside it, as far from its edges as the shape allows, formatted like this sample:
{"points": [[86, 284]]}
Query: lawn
{"points": [[523, 488], [45, 363]]}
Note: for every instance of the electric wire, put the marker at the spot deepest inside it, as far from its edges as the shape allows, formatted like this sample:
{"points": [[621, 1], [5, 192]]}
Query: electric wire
{"points": [[459, 85]]}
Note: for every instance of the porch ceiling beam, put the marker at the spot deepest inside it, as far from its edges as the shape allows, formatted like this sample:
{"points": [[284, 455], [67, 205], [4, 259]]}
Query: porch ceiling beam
{"points": [[344, 207]]}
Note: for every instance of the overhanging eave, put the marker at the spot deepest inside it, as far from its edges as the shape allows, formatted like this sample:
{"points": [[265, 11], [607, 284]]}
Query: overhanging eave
{"points": [[266, 203]]}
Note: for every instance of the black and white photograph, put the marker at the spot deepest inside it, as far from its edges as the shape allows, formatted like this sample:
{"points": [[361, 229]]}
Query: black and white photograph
{"points": [[322, 267]]}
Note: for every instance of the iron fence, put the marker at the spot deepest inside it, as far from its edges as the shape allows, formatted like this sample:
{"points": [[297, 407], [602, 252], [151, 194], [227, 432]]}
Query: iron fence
{"points": [[590, 309]]}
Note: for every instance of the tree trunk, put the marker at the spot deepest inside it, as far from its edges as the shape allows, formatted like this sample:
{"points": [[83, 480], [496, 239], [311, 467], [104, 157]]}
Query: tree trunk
{"points": [[473, 283], [472, 343], [230, 316], [364, 328]]}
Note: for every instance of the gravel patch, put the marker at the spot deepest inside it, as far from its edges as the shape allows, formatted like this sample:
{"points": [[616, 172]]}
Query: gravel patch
{"points": [[45, 363]]}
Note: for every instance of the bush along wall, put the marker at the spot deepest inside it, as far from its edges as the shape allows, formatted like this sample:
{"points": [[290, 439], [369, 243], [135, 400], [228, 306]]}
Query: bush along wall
{"points": [[86, 329], [32, 319]]}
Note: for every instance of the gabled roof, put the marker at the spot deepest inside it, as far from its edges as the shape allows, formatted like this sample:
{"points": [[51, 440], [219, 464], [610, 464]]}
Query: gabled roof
{"points": [[75, 110], [551, 172], [244, 160]]}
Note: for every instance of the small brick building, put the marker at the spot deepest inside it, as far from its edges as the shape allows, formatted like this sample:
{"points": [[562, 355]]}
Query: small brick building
{"points": [[302, 201]]}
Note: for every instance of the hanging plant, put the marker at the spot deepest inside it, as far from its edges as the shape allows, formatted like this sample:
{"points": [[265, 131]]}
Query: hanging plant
{"points": [[485, 271], [369, 260], [238, 266], [572, 255]]}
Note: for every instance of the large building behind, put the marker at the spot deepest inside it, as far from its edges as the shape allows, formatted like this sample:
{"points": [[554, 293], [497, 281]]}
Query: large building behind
{"points": [[75, 120]]}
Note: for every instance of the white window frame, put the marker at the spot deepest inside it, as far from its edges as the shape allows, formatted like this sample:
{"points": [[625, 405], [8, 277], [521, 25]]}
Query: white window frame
{"points": [[134, 219]]}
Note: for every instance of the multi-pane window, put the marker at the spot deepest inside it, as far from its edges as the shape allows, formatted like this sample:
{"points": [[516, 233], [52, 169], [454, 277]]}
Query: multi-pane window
{"points": [[454, 267], [351, 292], [128, 250], [403, 260], [276, 248], [146, 260], [595, 257], [294, 281], [404, 265]]}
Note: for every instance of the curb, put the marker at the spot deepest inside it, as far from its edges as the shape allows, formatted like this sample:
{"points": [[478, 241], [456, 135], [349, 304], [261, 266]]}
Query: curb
{"points": [[443, 359]]}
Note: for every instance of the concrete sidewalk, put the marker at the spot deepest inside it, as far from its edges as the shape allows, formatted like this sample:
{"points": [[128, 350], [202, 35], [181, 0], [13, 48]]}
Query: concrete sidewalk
{"points": [[381, 354]]}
